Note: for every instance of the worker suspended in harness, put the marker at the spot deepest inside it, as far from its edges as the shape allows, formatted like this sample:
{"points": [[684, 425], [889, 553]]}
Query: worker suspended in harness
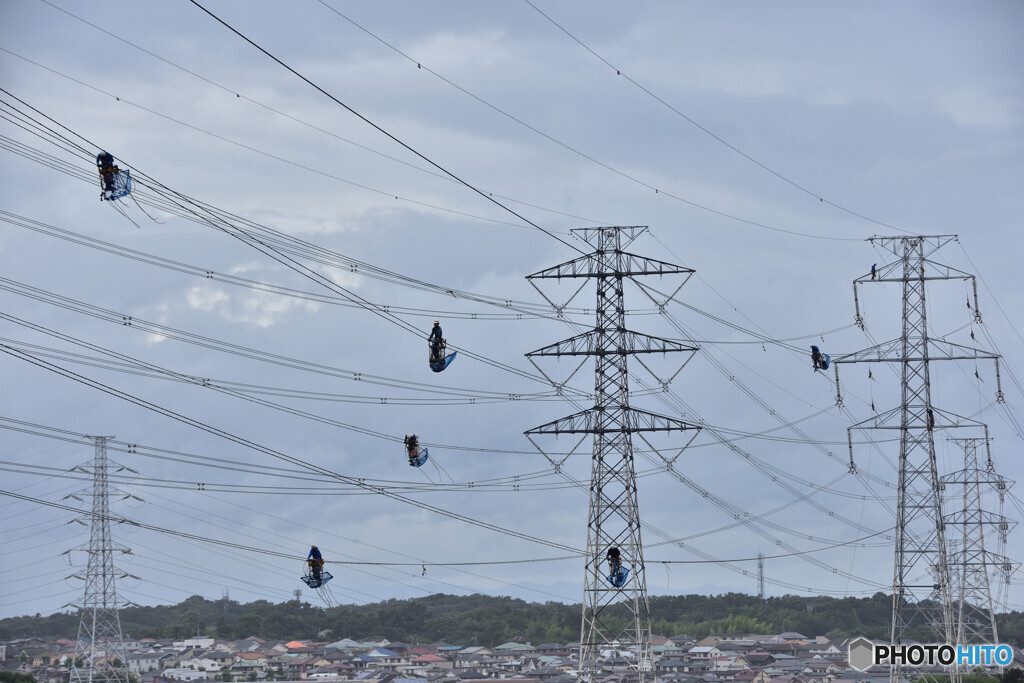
{"points": [[819, 360], [438, 359], [315, 576]]}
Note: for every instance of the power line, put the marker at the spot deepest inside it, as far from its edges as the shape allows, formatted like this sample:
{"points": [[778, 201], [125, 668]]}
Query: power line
{"points": [[271, 452], [352, 111], [693, 122], [570, 148], [296, 119], [264, 551]]}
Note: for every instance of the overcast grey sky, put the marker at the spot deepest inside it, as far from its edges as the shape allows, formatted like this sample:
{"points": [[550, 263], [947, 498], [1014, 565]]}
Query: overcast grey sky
{"points": [[762, 143]]}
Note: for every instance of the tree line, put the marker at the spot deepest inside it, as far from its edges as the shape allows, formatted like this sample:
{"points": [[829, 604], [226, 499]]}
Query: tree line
{"points": [[485, 620]]}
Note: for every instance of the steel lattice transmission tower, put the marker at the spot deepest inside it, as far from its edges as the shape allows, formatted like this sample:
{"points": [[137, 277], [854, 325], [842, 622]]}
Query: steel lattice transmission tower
{"points": [[922, 584], [100, 654], [760, 576], [972, 563], [614, 618]]}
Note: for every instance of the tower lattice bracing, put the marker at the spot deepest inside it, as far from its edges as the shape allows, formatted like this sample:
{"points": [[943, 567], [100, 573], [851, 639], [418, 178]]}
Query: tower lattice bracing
{"points": [[615, 617], [923, 600], [972, 563], [100, 654]]}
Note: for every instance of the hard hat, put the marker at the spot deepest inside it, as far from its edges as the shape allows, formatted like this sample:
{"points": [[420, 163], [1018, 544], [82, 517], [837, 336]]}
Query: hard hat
{"points": [[437, 322]]}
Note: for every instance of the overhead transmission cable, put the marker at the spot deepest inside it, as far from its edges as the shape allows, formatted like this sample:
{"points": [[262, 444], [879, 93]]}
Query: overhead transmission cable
{"points": [[300, 121], [271, 452], [707, 131], [381, 130], [226, 464], [216, 221], [371, 271], [570, 148]]}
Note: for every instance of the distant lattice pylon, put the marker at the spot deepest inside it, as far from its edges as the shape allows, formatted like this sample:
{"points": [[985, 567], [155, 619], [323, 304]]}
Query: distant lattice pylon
{"points": [[973, 561], [100, 653]]}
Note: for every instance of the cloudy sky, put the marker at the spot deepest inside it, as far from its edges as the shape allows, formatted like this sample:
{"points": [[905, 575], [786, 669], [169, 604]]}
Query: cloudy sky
{"points": [[762, 145]]}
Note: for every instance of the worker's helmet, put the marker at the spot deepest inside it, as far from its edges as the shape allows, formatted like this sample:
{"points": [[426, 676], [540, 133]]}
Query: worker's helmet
{"points": [[437, 322]]}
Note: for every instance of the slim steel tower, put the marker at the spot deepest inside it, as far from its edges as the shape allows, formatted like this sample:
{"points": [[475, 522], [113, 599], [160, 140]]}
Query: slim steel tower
{"points": [[100, 654], [972, 563], [760, 576], [922, 585], [615, 614]]}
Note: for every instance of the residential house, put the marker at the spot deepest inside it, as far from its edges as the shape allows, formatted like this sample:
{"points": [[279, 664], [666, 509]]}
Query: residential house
{"points": [[792, 637], [343, 644], [220, 658], [665, 666], [199, 642], [822, 667], [512, 650], [199, 661], [177, 675], [248, 645], [704, 652], [248, 663], [830, 649], [759, 660], [143, 662], [752, 676], [387, 659], [472, 657], [427, 663]]}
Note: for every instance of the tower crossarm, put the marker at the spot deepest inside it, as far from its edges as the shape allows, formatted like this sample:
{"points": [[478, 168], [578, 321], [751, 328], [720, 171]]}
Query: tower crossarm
{"points": [[587, 344], [989, 559], [632, 420], [928, 243], [916, 413], [891, 352], [993, 479], [934, 270], [597, 265], [979, 517]]}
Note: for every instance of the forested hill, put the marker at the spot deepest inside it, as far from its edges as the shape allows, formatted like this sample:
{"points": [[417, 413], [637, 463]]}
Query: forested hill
{"points": [[484, 620]]}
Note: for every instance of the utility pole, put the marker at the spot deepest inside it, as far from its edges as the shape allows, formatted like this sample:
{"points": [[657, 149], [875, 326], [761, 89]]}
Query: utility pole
{"points": [[616, 615], [922, 584], [971, 563], [100, 653]]}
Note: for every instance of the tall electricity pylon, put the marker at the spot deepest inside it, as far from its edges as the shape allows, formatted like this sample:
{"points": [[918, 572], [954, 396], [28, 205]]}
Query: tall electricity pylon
{"points": [[100, 653], [922, 588], [616, 618], [972, 563]]}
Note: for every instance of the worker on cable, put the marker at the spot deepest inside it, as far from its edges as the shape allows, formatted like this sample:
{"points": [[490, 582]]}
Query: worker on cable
{"points": [[108, 169], [815, 357], [412, 448], [316, 563], [436, 342]]}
